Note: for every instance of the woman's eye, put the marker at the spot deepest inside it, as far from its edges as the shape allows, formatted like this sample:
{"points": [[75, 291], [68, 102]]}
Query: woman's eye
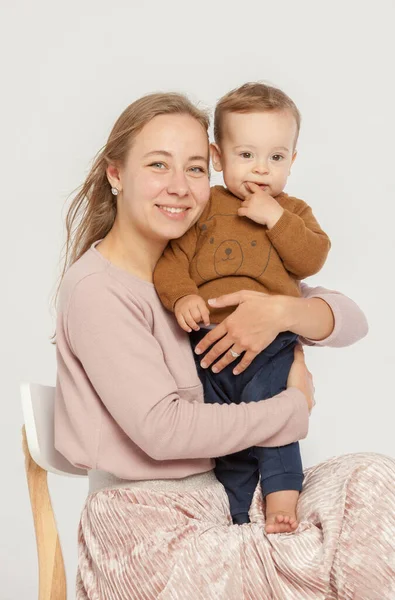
{"points": [[277, 157], [158, 165], [246, 154], [197, 170]]}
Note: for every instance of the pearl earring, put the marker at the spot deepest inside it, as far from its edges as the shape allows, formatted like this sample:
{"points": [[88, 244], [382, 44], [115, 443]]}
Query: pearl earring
{"points": [[114, 191]]}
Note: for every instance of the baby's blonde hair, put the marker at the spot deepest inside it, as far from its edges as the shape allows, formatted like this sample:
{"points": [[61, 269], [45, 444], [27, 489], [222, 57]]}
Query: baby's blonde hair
{"points": [[253, 97]]}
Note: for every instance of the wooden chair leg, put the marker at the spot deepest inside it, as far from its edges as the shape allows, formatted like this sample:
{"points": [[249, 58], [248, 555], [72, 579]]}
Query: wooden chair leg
{"points": [[52, 577]]}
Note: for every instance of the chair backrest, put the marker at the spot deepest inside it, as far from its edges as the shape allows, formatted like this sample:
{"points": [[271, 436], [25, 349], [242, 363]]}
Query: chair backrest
{"points": [[38, 413], [41, 456]]}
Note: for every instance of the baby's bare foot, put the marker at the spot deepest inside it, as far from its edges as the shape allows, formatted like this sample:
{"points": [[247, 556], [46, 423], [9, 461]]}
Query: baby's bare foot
{"points": [[281, 512], [281, 522]]}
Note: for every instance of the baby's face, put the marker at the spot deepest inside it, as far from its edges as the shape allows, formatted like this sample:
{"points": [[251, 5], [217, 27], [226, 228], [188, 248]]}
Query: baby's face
{"points": [[256, 147]]}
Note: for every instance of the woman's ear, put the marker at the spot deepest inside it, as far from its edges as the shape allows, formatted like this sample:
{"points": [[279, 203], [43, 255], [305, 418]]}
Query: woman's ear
{"points": [[215, 153], [113, 177]]}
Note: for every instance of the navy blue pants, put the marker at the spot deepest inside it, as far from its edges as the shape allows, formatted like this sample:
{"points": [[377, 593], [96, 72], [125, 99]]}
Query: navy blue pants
{"points": [[279, 468]]}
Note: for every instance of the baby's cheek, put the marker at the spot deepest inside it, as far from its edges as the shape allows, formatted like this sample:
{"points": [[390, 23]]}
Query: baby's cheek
{"points": [[233, 178], [237, 172]]}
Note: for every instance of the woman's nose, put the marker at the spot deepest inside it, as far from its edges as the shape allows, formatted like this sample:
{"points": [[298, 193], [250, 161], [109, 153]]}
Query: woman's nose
{"points": [[178, 185]]}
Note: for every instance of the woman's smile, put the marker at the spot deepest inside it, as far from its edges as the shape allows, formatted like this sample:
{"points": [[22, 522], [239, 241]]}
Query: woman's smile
{"points": [[174, 213]]}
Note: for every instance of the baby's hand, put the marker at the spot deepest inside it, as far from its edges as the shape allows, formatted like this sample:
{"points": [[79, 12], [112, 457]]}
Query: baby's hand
{"points": [[260, 207], [191, 310]]}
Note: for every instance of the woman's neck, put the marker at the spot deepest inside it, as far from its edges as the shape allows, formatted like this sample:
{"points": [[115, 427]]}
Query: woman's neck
{"points": [[131, 252]]}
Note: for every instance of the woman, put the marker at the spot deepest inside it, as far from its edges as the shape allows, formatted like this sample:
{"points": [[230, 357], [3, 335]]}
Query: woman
{"points": [[129, 404]]}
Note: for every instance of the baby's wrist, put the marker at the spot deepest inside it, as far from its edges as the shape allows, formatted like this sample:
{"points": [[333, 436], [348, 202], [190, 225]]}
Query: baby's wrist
{"points": [[182, 298], [275, 215]]}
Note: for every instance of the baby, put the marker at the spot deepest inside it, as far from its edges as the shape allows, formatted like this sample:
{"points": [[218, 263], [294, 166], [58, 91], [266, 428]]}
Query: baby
{"points": [[250, 236]]}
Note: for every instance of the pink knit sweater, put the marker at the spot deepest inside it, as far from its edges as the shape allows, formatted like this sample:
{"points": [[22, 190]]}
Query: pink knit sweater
{"points": [[128, 398]]}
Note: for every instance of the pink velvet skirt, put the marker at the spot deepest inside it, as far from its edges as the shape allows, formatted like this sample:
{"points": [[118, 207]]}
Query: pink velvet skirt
{"points": [[163, 542]]}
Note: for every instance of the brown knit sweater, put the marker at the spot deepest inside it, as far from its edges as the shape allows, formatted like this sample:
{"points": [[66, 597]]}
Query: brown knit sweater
{"points": [[224, 253]]}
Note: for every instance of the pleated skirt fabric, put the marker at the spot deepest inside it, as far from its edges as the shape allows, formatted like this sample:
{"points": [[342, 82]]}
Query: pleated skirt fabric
{"points": [[166, 544]]}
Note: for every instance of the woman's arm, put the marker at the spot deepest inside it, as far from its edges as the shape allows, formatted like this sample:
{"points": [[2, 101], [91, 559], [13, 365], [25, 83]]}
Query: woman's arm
{"points": [[308, 317], [110, 336], [321, 317], [349, 324]]}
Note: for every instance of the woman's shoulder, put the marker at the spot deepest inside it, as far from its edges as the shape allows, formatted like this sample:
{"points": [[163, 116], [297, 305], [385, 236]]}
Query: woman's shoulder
{"points": [[86, 271], [92, 280]]}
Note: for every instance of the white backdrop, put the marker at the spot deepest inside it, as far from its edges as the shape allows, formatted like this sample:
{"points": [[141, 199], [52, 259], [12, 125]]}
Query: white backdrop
{"points": [[69, 68]]}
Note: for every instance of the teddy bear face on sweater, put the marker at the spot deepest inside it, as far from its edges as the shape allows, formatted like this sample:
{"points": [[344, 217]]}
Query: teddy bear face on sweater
{"points": [[230, 245]]}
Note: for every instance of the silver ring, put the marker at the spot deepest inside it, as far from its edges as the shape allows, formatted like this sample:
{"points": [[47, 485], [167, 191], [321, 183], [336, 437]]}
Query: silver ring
{"points": [[234, 354]]}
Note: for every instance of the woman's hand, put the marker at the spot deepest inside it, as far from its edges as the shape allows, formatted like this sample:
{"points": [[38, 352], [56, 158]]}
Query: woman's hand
{"points": [[301, 378], [255, 323]]}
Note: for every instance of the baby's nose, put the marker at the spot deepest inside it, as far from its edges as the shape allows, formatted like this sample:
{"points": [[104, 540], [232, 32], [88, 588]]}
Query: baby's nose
{"points": [[261, 169]]}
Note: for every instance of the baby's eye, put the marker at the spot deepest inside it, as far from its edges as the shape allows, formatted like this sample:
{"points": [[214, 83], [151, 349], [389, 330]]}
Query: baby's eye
{"points": [[246, 154], [277, 157]]}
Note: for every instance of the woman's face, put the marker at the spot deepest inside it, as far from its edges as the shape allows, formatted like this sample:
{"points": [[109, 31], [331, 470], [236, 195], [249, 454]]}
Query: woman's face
{"points": [[164, 182]]}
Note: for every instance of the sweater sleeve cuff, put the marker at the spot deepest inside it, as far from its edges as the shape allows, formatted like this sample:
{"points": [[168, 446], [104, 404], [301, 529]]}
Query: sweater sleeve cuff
{"points": [[280, 226]]}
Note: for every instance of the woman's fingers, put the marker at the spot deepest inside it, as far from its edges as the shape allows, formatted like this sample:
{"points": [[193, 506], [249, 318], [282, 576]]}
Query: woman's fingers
{"points": [[236, 298], [212, 336], [245, 362], [216, 351], [228, 357], [229, 352], [227, 300]]}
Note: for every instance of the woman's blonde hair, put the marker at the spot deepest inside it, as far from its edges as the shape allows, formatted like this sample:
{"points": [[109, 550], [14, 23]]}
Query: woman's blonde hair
{"points": [[93, 210]]}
